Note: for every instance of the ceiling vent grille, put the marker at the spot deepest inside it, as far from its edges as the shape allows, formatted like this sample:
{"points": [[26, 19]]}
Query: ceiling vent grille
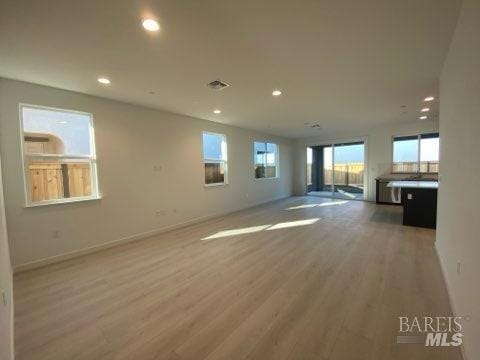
{"points": [[218, 85]]}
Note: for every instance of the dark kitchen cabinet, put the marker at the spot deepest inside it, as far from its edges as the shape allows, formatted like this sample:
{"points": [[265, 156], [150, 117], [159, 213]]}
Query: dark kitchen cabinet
{"points": [[420, 207]]}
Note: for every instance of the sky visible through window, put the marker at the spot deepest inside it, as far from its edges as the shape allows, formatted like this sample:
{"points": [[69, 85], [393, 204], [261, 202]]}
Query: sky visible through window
{"points": [[344, 154], [407, 150], [214, 146], [309, 156], [261, 149], [72, 128], [349, 154], [429, 149]]}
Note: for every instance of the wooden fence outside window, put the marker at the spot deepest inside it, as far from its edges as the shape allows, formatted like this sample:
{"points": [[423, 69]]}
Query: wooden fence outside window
{"points": [[50, 181], [345, 174]]}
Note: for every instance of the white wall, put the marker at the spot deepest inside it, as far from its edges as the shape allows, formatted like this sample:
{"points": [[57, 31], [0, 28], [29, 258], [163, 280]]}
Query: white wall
{"points": [[378, 152], [130, 141], [6, 312], [458, 237]]}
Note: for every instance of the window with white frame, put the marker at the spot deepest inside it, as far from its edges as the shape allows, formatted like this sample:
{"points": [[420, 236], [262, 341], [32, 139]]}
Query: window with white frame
{"points": [[416, 153], [266, 160], [215, 158], [309, 165], [58, 154]]}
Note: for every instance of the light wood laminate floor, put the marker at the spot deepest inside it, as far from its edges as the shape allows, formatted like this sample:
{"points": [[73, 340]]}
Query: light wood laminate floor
{"points": [[302, 278]]}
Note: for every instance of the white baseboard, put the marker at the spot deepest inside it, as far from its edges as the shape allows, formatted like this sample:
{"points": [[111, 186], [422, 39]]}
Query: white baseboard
{"points": [[70, 255], [450, 299]]}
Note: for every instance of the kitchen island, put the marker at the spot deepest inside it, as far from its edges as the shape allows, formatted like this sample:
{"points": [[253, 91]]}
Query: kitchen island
{"points": [[419, 201]]}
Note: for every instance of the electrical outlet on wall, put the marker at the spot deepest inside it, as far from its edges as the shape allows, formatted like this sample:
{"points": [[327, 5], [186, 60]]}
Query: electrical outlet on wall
{"points": [[157, 168]]}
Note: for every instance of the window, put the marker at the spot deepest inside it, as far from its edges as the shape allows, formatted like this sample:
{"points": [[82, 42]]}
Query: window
{"points": [[266, 158], [429, 153], [416, 153], [215, 158], [309, 165], [58, 155]]}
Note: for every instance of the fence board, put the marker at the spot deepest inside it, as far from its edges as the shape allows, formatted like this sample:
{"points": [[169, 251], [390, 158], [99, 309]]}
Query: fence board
{"points": [[412, 167], [79, 179], [47, 180], [345, 174]]}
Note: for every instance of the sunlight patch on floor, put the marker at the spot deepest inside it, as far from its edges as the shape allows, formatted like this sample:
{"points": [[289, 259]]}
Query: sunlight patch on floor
{"points": [[290, 224], [308, 206], [254, 229], [233, 232], [346, 193]]}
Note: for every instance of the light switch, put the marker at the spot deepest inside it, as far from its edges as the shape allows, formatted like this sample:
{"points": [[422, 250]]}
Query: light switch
{"points": [[409, 196]]}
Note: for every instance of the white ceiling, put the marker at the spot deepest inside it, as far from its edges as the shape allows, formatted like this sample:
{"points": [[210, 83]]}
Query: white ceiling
{"points": [[340, 63]]}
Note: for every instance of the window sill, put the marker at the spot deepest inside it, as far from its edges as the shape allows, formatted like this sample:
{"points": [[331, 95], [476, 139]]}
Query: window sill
{"points": [[64, 201], [267, 178], [215, 185]]}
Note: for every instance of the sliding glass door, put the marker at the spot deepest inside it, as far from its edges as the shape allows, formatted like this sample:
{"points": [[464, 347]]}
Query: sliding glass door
{"points": [[336, 170], [348, 160]]}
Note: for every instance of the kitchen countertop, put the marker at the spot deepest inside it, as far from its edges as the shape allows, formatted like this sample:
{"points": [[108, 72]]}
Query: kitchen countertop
{"points": [[414, 184], [400, 177]]}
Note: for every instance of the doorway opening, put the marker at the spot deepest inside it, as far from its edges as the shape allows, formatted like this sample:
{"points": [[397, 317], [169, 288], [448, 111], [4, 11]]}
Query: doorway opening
{"points": [[337, 170]]}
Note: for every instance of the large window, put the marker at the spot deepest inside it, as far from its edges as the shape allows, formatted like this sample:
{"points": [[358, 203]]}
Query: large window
{"points": [[309, 165], [416, 153], [266, 160], [59, 155], [215, 158]]}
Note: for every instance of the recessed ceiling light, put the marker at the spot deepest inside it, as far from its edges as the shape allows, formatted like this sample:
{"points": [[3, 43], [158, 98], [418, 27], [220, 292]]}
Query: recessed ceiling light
{"points": [[276, 93], [423, 117], [425, 109], [216, 111], [150, 25], [62, 122], [103, 80], [429, 98]]}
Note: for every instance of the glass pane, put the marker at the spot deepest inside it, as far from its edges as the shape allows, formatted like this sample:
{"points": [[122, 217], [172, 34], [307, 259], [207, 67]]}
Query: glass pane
{"points": [[348, 170], [215, 173], [260, 159], [429, 155], [309, 165], [271, 170], [214, 147], [55, 132], [50, 180], [405, 155], [327, 169]]}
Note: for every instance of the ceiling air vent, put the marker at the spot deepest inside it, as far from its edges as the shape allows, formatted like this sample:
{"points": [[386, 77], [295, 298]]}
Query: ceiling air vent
{"points": [[218, 85]]}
